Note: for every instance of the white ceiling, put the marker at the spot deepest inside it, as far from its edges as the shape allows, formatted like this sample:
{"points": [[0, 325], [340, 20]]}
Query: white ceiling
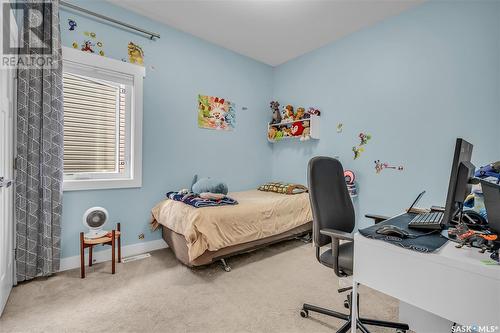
{"points": [[271, 31]]}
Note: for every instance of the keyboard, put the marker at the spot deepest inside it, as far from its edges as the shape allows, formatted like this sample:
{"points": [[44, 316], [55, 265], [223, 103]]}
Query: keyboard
{"points": [[430, 220]]}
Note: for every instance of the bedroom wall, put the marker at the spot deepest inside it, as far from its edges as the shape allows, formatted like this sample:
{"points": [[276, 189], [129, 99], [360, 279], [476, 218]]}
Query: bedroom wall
{"points": [[415, 82], [178, 68]]}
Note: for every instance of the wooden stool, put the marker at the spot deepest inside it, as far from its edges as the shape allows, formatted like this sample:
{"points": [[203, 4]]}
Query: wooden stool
{"points": [[84, 243]]}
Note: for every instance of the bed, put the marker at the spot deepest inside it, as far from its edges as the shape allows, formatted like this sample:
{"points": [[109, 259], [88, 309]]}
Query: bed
{"points": [[200, 236]]}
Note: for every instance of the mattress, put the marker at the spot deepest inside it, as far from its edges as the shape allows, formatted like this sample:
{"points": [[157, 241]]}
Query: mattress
{"points": [[258, 215]]}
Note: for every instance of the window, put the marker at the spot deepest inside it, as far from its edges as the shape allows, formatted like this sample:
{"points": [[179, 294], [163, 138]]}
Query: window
{"points": [[102, 122]]}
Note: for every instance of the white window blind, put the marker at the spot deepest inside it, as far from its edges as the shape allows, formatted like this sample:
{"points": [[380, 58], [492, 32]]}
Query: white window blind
{"points": [[103, 102], [94, 125]]}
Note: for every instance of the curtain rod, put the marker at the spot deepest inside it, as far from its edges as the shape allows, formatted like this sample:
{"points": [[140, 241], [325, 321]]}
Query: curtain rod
{"points": [[106, 18]]}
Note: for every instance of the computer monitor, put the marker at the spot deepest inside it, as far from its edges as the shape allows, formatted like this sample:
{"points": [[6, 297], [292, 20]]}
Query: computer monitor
{"points": [[461, 170]]}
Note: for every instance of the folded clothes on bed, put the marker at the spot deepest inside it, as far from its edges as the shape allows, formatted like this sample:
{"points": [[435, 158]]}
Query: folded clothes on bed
{"points": [[197, 202]]}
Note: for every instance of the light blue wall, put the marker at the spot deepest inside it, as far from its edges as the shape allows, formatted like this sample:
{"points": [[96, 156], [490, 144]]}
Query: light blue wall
{"points": [[173, 147], [415, 82]]}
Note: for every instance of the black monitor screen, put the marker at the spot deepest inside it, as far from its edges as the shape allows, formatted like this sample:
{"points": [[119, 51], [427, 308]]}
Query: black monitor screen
{"points": [[463, 153]]}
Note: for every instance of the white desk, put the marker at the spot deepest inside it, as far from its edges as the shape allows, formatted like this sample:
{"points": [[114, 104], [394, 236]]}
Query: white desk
{"points": [[450, 283]]}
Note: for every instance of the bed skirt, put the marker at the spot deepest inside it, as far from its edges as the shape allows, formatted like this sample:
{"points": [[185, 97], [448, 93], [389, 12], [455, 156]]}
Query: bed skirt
{"points": [[177, 243]]}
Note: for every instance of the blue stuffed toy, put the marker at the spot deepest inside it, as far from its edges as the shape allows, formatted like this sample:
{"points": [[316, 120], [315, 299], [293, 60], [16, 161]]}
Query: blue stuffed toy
{"points": [[490, 170], [208, 185]]}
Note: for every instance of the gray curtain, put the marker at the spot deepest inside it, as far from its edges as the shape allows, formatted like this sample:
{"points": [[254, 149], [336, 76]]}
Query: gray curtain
{"points": [[39, 165]]}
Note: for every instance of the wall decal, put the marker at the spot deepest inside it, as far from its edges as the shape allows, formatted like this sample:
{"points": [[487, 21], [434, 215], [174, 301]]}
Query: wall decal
{"points": [[357, 151], [363, 140], [339, 127], [381, 166], [216, 113], [88, 46], [135, 54], [72, 24], [75, 45]]}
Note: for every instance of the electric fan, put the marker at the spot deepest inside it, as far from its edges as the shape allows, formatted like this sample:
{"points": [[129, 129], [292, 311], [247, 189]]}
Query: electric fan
{"points": [[94, 219]]}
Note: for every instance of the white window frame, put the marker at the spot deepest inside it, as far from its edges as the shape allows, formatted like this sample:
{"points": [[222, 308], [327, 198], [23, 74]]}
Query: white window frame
{"points": [[103, 68]]}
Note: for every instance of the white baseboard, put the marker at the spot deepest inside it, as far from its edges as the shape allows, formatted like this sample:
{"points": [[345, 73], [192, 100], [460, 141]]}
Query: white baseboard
{"points": [[105, 255]]}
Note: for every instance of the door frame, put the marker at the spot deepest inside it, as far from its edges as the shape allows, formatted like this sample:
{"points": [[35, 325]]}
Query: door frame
{"points": [[11, 91]]}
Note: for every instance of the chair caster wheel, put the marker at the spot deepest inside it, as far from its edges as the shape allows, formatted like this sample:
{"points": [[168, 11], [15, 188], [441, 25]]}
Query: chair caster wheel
{"points": [[227, 269], [346, 304], [304, 313]]}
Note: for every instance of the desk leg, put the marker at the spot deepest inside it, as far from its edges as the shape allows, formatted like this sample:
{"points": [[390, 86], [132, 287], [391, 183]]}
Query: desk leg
{"points": [[354, 306], [113, 244]]}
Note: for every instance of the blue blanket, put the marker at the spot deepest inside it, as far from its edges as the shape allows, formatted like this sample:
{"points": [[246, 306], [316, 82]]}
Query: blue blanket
{"points": [[197, 202]]}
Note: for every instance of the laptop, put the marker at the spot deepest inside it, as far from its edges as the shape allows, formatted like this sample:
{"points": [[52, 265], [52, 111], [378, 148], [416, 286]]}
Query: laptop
{"points": [[491, 192]]}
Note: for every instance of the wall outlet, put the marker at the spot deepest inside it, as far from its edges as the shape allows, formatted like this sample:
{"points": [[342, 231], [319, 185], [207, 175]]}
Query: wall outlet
{"points": [[141, 236]]}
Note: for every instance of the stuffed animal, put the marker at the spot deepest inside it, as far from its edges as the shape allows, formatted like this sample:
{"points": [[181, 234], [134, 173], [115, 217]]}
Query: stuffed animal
{"points": [[288, 112], [287, 131], [209, 185], [313, 112], [278, 136], [306, 132], [475, 201], [297, 128], [300, 114], [275, 106], [490, 170], [271, 134]]}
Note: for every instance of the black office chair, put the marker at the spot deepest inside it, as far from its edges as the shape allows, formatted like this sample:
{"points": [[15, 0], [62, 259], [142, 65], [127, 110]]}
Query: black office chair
{"points": [[333, 221]]}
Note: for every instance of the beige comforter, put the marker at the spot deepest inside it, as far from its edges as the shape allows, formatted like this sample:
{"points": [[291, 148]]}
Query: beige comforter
{"points": [[257, 215]]}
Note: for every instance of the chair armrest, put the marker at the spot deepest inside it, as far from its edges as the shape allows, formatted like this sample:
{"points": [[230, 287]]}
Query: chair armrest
{"points": [[336, 234], [377, 218]]}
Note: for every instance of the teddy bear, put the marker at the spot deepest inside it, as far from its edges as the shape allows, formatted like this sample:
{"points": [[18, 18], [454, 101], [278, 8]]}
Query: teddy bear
{"points": [[306, 132], [288, 112], [300, 114]]}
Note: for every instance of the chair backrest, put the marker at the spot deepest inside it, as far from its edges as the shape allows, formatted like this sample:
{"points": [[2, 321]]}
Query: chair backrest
{"points": [[330, 201]]}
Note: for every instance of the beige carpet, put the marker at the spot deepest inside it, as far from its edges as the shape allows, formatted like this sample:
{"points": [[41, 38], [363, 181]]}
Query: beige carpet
{"points": [[263, 293]]}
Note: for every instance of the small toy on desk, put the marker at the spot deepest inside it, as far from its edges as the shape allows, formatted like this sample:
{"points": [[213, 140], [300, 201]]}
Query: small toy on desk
{"points": [[486, 241], [490, 170]]}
